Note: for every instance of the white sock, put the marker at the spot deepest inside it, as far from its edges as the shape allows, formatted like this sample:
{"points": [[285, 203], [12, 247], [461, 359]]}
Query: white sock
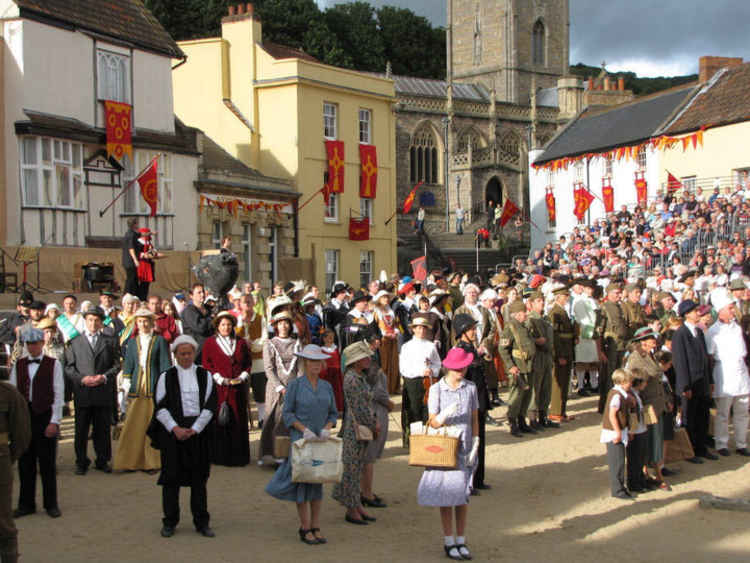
{"points": [[581, 379], [449, 541], [460, 540], [594, 377], [261, 411]]}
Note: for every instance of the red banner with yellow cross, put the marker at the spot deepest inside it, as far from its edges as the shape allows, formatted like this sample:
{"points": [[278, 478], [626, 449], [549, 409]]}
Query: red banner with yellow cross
{"points": [[118, 121], [335, 153], [368, 178]]}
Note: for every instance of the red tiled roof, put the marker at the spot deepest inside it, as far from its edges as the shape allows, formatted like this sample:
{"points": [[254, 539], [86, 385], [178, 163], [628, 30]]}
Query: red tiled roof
{"points": [[283, 52], [125, 20], [725, 101]]}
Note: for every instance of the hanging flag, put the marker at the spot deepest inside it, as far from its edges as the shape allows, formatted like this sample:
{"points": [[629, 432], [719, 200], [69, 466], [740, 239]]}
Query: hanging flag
{"points": [[509, 209], [359, 229], [326, 191], [409, 201], [148, 180], [551, 209], [640, 188], [583, 201], [419, 268], [608, 195], [118, 124], [335, 152], [673, 184], [368, 179]]}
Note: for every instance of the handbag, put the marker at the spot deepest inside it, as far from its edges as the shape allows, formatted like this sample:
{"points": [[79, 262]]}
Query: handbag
{"points": [[649, 415], [362, 432], [224, 418], [317, 462], [680, 448]]}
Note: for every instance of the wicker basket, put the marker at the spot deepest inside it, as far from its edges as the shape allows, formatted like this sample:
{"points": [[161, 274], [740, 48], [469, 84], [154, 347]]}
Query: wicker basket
{"points": [[433, 451], [281, 445]]}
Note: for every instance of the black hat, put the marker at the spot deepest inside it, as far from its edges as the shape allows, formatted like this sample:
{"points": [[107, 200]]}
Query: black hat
{"points": [[360, 295], [26, 299], [338, 288], [463, 322], [98, 311], [38, 305], [108, 293], [686, 306]]}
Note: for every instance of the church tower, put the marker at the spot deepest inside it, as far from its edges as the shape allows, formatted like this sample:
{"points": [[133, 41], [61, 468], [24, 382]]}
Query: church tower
{"points": [[504, 43]]}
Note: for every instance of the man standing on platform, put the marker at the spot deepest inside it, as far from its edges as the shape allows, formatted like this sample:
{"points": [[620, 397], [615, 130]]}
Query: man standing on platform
{"points": [[40, 381], [92, 361], [130, 258], [196, 317]]}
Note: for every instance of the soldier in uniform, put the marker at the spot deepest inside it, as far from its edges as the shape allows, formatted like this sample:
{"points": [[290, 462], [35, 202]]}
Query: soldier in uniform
{"points": [[541, 331], [564, 333], [632, 310], [517, 350], [15, 437], [615, 334]]}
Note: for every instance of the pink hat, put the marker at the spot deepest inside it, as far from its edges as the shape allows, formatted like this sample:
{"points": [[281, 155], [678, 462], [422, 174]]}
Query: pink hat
{"points": [[457, 359]]}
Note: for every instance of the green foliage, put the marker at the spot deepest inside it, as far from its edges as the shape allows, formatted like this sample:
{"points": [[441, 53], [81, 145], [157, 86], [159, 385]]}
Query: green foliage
{"points": [[640, 86], [353, 35]]}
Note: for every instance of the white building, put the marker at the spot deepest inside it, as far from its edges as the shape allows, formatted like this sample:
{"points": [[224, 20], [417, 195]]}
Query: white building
{"points": [[60, 61]]}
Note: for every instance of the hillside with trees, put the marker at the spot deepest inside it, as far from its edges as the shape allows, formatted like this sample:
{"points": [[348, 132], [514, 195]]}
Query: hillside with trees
{"points": [[639, 86]]}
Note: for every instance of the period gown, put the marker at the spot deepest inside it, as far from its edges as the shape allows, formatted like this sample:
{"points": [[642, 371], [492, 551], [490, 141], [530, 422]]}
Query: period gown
{"points": [[229, 361], [281, 367], [146, 356]]}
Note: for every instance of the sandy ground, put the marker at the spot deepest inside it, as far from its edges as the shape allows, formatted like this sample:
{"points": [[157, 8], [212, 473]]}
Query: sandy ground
{"points": [[549, 502]]}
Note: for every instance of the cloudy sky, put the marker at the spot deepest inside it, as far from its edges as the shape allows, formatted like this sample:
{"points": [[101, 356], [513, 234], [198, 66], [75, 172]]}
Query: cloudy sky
{"points": [[650, 37]]}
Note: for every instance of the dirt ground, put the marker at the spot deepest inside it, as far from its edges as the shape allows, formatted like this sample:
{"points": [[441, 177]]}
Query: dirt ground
{"points": [[549, 502]]}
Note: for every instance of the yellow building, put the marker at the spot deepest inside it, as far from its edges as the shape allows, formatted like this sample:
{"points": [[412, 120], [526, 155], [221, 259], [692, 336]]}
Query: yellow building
{"points": [[273, 108], [718, 116]]}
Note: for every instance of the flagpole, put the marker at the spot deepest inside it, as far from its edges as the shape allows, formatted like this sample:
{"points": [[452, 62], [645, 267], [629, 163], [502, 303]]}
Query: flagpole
{"points": [[126, 188], [308, 200], [391, 217]]}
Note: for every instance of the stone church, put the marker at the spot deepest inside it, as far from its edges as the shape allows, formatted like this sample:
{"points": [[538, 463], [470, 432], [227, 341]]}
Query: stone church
{"points": [[507, 91]]}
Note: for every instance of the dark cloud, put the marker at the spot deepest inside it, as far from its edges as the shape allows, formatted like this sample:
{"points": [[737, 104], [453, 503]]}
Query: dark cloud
{"points": [[650, 37]]}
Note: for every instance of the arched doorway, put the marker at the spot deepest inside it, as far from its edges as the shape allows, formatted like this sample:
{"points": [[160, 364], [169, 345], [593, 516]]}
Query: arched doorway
{"points": [[493, 192]]}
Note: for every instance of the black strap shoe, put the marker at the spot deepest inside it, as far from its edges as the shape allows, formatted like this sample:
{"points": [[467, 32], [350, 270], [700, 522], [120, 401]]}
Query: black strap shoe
{"points": [[451, 552]]}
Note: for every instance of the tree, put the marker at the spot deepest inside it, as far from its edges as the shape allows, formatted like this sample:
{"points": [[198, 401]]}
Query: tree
{"points": [[356, 27], [411, 44]]}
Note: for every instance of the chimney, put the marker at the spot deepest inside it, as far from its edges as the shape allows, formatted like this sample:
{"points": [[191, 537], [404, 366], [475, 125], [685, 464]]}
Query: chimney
{"points": [[230, 11], [606, 83], [591, 83], [249, 9], [708, 66], [621, 84], [240, 9]]}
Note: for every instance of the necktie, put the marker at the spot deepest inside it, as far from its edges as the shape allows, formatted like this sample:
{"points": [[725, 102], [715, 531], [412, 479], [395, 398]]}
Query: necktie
{"points": [[37, 361]]}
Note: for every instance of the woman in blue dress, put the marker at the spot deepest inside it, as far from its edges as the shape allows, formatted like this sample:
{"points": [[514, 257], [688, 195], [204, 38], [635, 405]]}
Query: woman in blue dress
{"points": [[309, 413], [452, 402]]}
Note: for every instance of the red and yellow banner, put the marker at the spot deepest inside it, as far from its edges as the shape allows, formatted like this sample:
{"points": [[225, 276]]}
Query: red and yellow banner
{"points": [[551, 206], [359, 229], [149, 184], [118, 124], [509, 209], [673, 184], [419, 268], [368, 179], [641, 188], [583, 199], [409, 201], [234, 206], [335, 153], [608, 195]]}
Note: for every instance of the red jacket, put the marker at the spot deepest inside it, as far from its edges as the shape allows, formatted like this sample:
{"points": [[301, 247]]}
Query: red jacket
{"points": [[166, 327]]}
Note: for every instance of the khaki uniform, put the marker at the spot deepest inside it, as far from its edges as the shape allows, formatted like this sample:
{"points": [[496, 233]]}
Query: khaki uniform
{"points": [[518, 349], [615, 334], [563, 329], [539, 327], [635, 317], [15, 437]]}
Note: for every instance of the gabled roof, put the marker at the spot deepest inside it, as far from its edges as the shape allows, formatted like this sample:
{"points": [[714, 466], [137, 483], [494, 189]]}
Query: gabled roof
{"points": [[599, 129], [724, 99], [128, 21]]}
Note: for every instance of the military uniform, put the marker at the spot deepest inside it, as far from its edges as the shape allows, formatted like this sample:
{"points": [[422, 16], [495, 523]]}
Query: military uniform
{"points": [[615, 333], [563, 329], [635, 317], [15, 437], [539, 327], [518, 349]]}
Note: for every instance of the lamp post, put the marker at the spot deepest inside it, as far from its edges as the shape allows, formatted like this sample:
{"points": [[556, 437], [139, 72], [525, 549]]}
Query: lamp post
{"points": [[446, 121]]}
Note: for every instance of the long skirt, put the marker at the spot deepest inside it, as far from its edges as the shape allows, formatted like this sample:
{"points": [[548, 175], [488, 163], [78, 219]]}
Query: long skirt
{"points": [[389, 363], [134, 449], [655, 449], [347, 492], [282, 487]]}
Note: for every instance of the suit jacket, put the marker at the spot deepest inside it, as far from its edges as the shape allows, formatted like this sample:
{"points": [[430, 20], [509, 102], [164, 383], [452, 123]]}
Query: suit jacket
{"points": [[81, 360], [691, 362]]}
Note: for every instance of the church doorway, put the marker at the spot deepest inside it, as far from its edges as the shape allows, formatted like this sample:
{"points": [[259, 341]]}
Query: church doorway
{"points": [[493, 192]]}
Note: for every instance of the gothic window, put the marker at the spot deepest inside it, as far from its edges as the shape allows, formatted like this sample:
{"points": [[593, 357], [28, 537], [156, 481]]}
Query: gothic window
{"points": [[538, 33], [509, 148], [470, 136], [423, 157]]}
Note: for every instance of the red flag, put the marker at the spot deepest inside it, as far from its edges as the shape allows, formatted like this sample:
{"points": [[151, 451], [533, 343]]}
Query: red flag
{"points": [[419, 268], [551, 207], [118, 124], [359, 229], [673, 184], [640, 188], [368, 179], [148, 181], [583, 201], [509, 209], [335, 152], [409, 201], [608, 195], [326, 191]]}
